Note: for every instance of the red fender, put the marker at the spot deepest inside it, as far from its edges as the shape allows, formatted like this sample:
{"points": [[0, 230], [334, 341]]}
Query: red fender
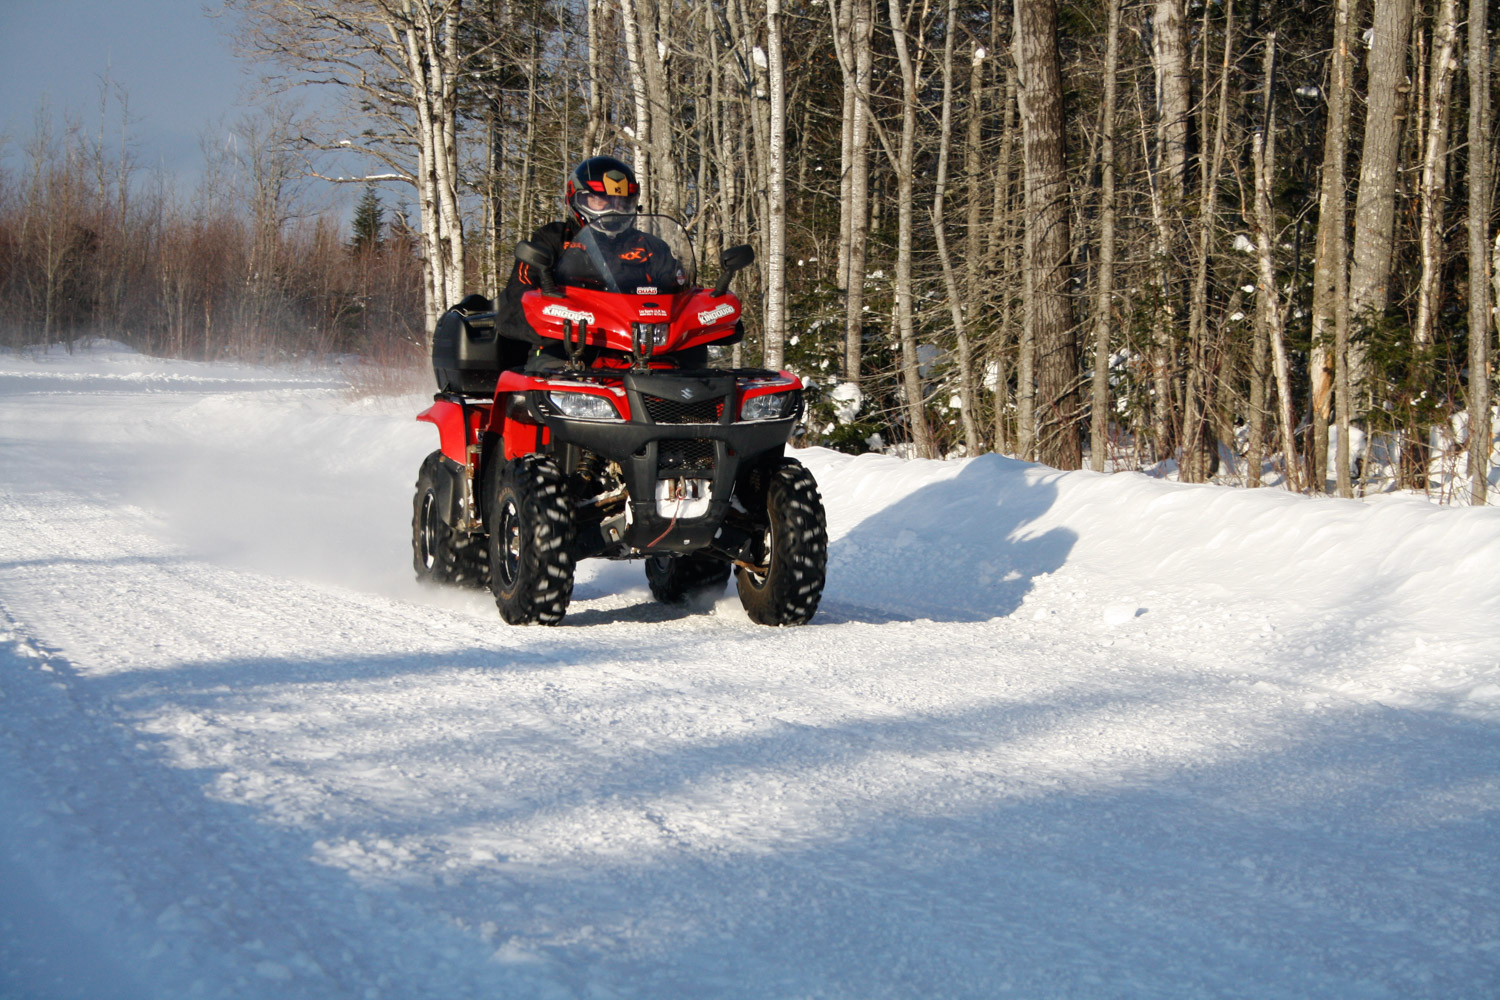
{"points": [[458, 426]]}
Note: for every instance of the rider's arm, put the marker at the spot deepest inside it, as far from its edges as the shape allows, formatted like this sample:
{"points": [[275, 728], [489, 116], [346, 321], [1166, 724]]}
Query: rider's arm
{"points": [[552, 236], [523, 278]]}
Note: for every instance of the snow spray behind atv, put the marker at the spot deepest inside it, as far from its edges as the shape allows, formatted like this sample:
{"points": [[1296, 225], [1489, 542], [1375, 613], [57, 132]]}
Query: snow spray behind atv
{"points": [[627, 448]]}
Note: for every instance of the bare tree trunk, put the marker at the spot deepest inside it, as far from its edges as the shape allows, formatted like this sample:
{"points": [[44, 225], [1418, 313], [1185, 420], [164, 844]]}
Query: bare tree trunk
{"points": [[950, 279], [663, 107], [432, 63], [855, 62], [1331, 263], [1260, 364], [722, 108], [526, 168], [1342, 318], [1197, 397], [1479, 285], [841, 15], [1433, 187], [999, 260], [1104, 298], [1173, 94], [635, 72], [905, 166], [974, 184], [1048, 241], [494, 258], [1263, 144], [593, 133], [755, 143], [775, 268], [1433, 191], [1375, 204]]}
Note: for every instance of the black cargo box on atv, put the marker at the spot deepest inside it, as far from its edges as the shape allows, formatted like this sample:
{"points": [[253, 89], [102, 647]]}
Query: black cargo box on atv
{"points": [[468, 351]]}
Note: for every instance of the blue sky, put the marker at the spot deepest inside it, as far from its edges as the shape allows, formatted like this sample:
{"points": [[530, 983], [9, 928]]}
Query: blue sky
{"points": [[174, 62]]}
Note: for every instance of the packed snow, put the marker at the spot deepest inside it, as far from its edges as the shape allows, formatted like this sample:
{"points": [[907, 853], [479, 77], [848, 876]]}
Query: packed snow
{"points": [[1050, 734]]}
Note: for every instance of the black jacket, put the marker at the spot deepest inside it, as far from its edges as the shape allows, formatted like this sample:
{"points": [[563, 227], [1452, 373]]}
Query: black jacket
{"points": [[509, 316], [638, 261]]}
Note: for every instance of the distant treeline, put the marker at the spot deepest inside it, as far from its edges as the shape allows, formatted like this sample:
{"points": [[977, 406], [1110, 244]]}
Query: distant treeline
{"points": [[90, 245]]}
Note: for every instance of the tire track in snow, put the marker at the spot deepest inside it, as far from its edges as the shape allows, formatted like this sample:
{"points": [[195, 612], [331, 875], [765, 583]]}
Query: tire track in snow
{"points": [[236, 902]]}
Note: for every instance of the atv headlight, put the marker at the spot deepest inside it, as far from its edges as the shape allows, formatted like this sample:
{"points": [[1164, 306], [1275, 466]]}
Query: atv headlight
{"points": [[583, 406], [771, 406], [656, 332]]}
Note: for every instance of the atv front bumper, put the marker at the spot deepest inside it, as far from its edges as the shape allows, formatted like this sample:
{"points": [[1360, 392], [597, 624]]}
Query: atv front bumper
{"points": [[650, 452]]}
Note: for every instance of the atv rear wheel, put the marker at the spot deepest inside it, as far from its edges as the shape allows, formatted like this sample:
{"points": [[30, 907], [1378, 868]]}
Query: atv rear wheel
{"points": [[441, 555], [676, 579], [531, 542], [793, 549]]}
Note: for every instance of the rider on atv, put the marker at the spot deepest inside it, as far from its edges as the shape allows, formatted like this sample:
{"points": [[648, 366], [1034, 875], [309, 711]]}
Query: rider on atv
{"points": [[614, 439], [599, 247]]}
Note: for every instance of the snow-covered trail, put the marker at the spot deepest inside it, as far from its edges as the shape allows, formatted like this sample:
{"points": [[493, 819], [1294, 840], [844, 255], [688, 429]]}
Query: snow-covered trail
{"points": [[1051, 735]]}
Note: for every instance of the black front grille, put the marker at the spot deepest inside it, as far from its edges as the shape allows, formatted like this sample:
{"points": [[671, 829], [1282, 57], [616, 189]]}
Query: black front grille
{"points": [[676, 411], [684, 457]]}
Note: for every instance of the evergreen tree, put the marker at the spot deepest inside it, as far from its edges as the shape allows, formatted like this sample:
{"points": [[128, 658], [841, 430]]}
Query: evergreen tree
{"points": [[369, 223]]}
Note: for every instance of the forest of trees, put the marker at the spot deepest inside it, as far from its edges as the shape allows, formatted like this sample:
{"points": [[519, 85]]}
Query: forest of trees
{"points": [[1213, 238], [91, 245]]}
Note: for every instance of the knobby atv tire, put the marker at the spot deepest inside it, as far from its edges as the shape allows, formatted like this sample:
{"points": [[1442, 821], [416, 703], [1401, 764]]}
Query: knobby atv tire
{"points": [[679, 579], [441, 555], [794, 550], [531, 542]]}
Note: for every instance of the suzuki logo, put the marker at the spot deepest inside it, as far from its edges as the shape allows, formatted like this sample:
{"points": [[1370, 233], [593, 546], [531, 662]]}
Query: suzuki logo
{"points": [[687, 393]]}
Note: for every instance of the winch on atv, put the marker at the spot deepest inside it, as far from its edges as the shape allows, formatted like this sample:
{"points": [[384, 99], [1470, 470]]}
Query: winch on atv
{"points": [[623, 445]]}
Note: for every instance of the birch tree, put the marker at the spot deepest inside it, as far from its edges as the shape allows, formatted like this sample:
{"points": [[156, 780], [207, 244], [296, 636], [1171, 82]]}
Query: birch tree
{"points": [[401, 64], [1432, 191], [1169, 55], [851, 38], [775, 267], [1263, 153], [1433, 184]]}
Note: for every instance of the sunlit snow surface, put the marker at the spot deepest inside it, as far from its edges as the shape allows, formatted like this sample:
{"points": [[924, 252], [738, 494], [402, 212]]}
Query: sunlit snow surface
{"points": [[1051, 735]]}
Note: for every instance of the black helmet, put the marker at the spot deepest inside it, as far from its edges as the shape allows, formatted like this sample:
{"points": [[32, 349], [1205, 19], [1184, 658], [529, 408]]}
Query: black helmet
{"points": [[602, 193]]}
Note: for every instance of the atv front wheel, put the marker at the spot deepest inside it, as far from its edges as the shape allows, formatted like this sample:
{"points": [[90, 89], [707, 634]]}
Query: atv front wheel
{"points": [[793, 550], [531, 542], [676, 579], [441, 555]]}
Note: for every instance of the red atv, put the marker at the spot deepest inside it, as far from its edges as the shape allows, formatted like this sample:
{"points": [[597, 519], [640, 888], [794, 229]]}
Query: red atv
{"points": [[628, 447]]}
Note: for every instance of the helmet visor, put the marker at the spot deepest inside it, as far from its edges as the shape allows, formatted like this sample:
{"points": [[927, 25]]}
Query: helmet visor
{"points": [[593, 204]]}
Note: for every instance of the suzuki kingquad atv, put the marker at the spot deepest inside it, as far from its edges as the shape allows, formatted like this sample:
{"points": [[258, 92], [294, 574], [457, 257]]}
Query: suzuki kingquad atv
{"points": [[629, 447]]}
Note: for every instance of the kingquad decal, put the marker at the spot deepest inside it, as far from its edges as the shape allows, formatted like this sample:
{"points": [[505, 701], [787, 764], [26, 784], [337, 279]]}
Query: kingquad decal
{"points": [[563, 312], [646, 290], [718, 312]]}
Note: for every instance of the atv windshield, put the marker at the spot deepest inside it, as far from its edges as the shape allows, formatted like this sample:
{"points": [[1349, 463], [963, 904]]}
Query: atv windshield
{"points": [[652, 257]]}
